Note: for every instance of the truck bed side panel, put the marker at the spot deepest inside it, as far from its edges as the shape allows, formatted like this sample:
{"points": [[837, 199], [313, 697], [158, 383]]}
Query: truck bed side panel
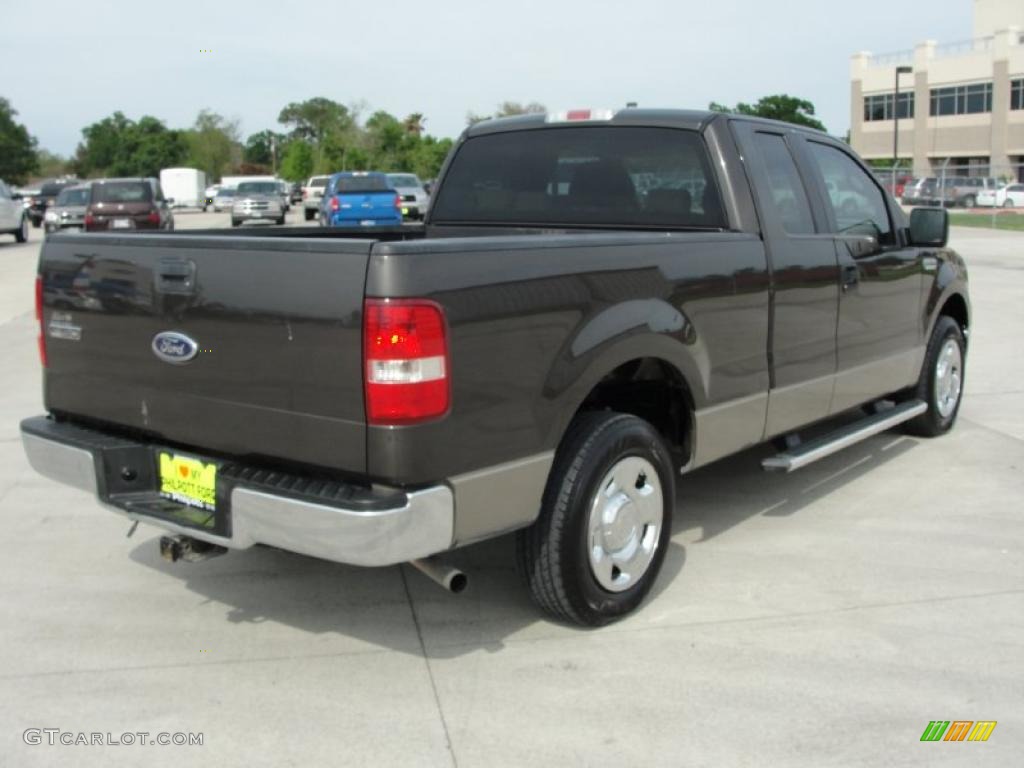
{"points": [[536, 321]]}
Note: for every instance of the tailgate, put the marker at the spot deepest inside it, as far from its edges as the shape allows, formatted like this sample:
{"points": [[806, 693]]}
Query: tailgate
{"points": [[276, 328], [367, 205]]}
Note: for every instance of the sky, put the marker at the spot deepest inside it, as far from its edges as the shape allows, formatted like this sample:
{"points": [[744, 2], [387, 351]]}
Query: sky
{"points": [[69, 64]]}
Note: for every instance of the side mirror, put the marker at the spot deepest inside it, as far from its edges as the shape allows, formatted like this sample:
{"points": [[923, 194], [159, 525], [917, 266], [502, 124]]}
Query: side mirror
{"points": [[169, 200], [929, 227]]}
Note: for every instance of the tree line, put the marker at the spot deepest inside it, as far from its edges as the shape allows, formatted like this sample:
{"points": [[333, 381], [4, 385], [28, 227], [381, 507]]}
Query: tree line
{"points": [[315, 136]]}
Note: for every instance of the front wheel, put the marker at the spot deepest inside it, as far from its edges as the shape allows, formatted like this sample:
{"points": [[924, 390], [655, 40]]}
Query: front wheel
{"points": [[970, 201], [279, 221], [605, 521], [1008, 203], [310, 214], [942, 380]]}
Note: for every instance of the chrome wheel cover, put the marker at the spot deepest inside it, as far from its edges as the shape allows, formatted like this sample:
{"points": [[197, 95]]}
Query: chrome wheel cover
{"points": [[624, 524], [948, 378]]}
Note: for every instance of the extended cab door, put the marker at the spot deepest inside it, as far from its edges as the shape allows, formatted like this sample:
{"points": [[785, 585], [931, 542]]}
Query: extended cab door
{"points": [[879, 339], [805, 279]]}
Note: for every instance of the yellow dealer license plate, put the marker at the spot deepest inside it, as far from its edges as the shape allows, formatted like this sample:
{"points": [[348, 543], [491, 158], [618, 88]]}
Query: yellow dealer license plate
{"points": [[188, 480]]}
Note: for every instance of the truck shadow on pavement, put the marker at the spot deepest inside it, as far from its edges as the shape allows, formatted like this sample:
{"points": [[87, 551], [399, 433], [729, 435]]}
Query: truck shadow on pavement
{"points": [[399, 609]]}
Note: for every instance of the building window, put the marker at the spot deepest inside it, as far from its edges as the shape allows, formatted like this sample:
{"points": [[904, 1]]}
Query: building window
{"points": [[1017, 94], [879, 106], [961, 100]]}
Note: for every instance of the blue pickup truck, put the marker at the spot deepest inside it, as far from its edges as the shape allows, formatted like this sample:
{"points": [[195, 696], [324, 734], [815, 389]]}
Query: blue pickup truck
{"points": [[360, 198]]}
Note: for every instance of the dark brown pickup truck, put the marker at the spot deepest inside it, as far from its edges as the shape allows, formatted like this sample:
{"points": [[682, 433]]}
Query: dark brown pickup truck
{"points": [[596, 302]]}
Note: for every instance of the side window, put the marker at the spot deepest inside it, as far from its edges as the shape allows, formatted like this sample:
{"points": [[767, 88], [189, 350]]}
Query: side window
{"points": [[857, 202], [788, 195]]}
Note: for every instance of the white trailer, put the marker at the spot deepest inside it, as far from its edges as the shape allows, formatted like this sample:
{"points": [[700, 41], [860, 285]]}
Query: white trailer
{"points": [[187, 187]]}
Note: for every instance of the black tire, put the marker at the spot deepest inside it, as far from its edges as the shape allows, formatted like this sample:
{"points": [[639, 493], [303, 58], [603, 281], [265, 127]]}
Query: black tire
{"points": [[280, 221], [553, 553], [309, 213], [1008, 203], [36, 223], [933, 422], [21, 233], [970, 201], [235, 223]]}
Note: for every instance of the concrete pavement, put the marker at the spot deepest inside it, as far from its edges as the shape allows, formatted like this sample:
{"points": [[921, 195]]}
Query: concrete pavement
{"points": [[820, 618]]}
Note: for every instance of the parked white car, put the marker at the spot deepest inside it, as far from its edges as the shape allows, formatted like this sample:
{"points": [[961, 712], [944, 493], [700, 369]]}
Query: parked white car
{"points": [[13, 218], [1009, 196]]}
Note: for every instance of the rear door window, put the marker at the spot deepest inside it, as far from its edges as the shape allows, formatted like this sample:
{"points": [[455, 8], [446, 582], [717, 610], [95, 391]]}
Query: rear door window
{"points": [[615, 176], [788, 196]]}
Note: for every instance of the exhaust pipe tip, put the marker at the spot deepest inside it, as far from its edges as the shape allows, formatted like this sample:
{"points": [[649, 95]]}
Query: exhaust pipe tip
{"points": [[447, 576]]}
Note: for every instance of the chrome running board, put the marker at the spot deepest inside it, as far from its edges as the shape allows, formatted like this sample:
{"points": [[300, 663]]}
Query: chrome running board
{"points": [[808, 453]]}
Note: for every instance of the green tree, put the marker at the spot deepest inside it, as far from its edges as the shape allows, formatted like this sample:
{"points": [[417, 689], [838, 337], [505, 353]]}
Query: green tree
{"points": [[314, 120], [789, 109], [118, 146], [297, 162], [260, 148], [51, 165], [213, 143], [507, 109], [510, 108], [17, 147]]}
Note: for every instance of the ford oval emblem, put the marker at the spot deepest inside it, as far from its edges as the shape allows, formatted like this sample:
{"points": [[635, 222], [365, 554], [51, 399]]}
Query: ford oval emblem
{"points": [[174, 347]]}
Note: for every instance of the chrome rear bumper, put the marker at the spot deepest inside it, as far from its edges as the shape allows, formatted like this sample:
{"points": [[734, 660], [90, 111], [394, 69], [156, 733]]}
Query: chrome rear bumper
{"points": [[415, 524]]}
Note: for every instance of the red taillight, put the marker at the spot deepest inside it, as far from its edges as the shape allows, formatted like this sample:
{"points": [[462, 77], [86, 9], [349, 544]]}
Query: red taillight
{"points": [[398, 202], [405, 361], [305, 194], [153, 217], [39, 319], [335, 205], [89, 220], [578, 114]]}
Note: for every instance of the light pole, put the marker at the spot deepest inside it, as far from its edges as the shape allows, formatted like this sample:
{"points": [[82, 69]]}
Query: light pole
{"points": [[904, 70]]}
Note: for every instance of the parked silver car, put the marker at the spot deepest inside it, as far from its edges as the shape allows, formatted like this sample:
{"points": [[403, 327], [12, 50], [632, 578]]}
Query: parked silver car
{"points": [[415, 199], [257, 201], [224, 199], [68, 211]]}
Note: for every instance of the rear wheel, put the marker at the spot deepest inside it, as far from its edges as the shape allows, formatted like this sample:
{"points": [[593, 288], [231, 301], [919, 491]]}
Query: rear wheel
{"points": [[1008, 203], [310, 214], [21, 233], [279, 220], [942, 380], [596, 548], [235, 222]]}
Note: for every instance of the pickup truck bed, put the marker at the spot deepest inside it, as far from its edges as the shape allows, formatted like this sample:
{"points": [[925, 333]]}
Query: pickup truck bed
{"points": [[536, 358]]}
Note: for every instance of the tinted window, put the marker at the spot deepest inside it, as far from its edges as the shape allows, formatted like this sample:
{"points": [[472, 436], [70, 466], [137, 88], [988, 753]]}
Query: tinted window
{"points": [[259, 188], [122, 192], [403, 180], [582, 176], [788, 196], [51, 189], [319, 182], [353, 184], [857, 202], [73, 197]]}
